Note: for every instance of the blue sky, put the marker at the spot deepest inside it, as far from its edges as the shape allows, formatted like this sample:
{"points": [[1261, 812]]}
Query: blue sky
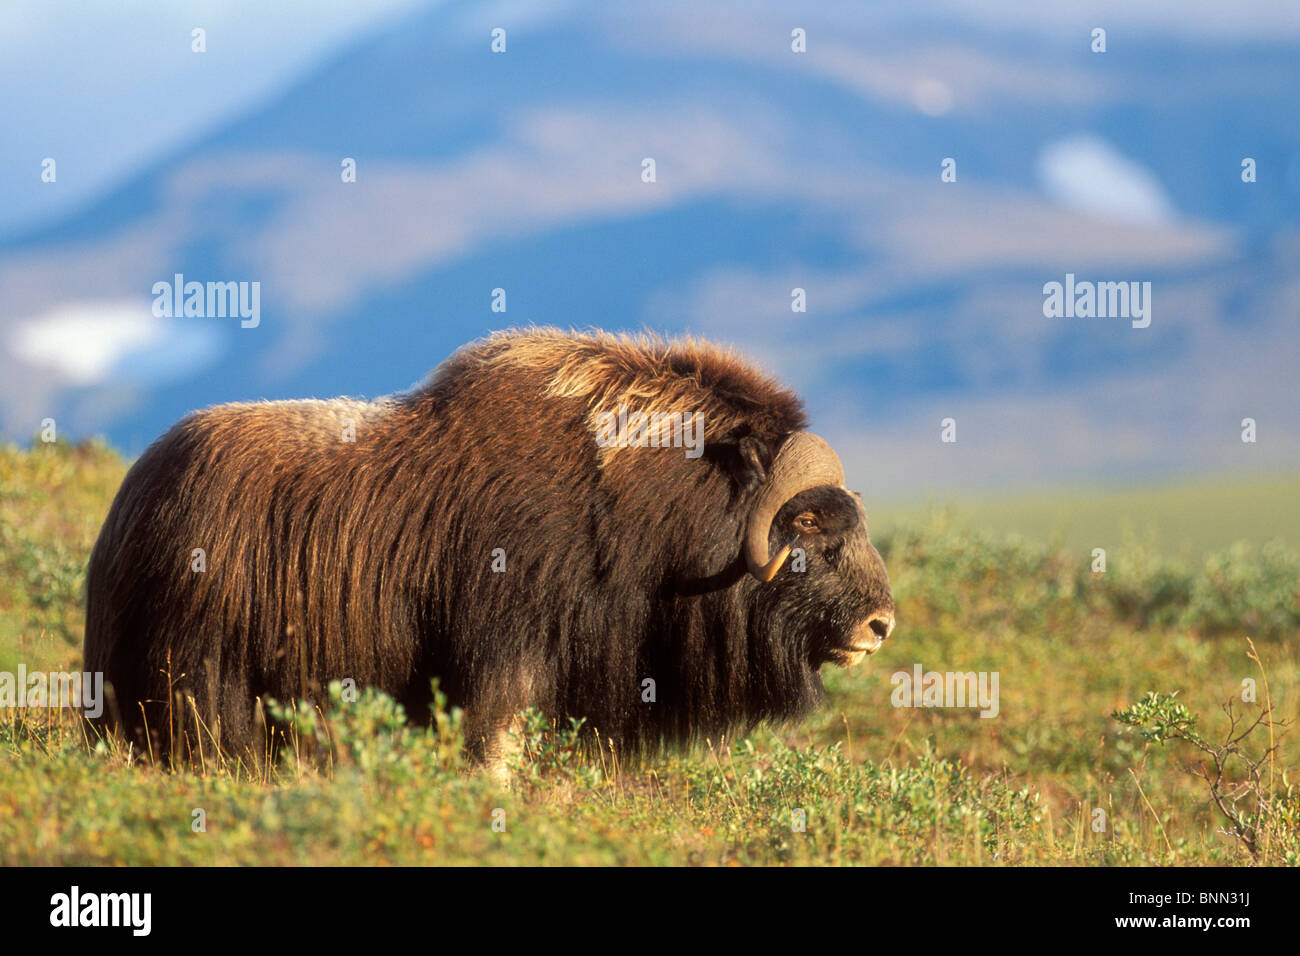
{"points": [[109, 86], [776, 170]]}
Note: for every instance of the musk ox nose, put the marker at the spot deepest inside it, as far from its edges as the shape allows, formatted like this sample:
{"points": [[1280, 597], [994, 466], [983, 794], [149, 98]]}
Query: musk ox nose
{"points": [[869, 636], [881, 624]]}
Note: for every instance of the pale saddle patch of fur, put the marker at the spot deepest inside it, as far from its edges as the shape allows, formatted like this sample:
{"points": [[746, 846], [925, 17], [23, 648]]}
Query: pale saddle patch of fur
{"points": [[302, 422], [612, 371]]}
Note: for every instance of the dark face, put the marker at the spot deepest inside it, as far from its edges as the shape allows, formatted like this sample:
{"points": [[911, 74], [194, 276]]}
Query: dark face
{"points": [[839, 603]]}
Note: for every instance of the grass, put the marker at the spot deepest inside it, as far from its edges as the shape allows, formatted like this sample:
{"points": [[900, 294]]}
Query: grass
{"points": [[1078, 654], [1184, 519]]}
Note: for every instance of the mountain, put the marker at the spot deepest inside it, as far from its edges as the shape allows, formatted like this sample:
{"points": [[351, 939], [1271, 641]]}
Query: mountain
{"points": [[774, 170]]}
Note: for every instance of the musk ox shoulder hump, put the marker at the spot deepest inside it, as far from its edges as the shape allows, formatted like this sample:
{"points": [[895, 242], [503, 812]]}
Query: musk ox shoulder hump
{"points": [[644, 372]]}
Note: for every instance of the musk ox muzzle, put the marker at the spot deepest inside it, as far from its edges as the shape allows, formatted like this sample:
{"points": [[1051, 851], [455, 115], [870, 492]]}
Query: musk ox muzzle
{"points": [[475, 532]]}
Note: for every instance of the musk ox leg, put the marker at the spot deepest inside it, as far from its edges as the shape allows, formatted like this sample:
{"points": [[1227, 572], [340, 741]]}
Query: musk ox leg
{"points": [[496, 749], [505, 752], [494, 726]]}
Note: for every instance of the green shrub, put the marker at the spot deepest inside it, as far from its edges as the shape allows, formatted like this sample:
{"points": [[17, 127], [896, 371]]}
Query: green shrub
{"points": [[1247, 590], [369, 734]]}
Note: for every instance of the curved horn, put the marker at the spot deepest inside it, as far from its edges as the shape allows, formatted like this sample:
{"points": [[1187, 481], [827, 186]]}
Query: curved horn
{"points": [[804, 461]]}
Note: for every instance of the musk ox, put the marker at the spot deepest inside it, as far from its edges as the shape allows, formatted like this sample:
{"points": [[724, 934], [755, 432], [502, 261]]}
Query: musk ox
{"points": [[532, 527]]}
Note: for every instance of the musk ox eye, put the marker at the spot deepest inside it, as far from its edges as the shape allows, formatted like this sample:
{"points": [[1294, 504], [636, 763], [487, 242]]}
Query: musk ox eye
{"points": [[806, 523]]}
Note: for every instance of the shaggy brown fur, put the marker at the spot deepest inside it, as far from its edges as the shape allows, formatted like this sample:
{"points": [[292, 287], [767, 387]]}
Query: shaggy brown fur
{"points": [[373, 559]]}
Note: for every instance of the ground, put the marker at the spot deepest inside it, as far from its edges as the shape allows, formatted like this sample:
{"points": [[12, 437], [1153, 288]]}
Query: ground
{"points": [[1053, 778]]}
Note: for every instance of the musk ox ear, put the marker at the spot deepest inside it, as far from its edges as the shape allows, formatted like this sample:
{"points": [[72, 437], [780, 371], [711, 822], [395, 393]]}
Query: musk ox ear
{"points": [[745, 458], [755, 458]]}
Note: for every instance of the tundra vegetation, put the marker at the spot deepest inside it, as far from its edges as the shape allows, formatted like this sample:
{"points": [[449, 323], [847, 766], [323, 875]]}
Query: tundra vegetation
{"points": [[1112, 689]]}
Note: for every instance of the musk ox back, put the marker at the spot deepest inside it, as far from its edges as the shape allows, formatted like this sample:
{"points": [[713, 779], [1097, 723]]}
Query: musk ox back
{"points": [[515, 528]]}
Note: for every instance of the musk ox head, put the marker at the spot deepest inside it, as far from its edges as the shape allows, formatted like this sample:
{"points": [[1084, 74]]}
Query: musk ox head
{"points": [[835, 596]]}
